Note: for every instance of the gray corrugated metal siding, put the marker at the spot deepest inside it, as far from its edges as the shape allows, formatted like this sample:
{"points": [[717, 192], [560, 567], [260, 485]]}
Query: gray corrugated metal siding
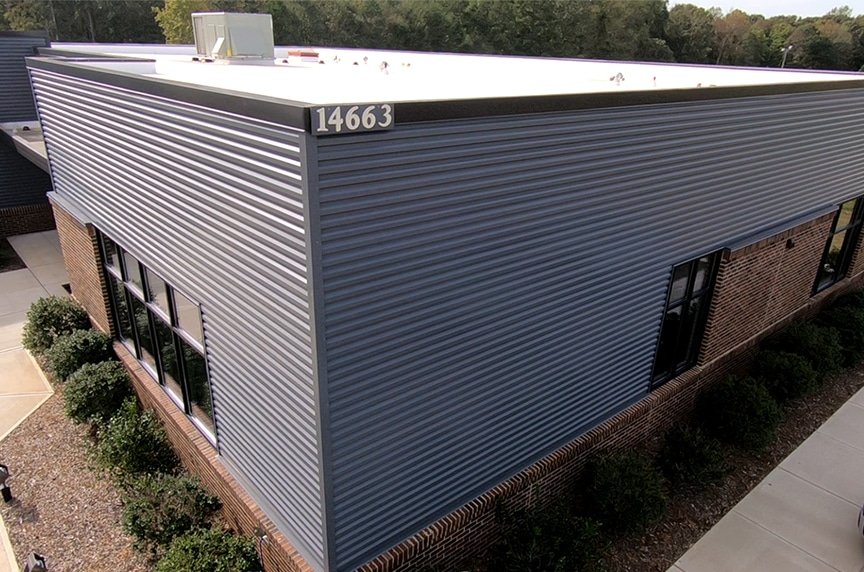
{"points": [[214, 203], [21, 182], [494, 287], [14, 83]]}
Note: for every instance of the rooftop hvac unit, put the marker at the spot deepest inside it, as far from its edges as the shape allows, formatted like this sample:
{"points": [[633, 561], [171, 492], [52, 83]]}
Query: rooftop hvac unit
{"points": [[228, 36]]}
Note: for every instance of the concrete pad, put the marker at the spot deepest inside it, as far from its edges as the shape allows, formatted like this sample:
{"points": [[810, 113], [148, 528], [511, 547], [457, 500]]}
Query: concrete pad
{"points": [[16, 408], [858, 398], [7, 554], [20, 301], [815, 521], [50, 273], [829, 464], [846, 425], [16, 280], [35, 250], [11, 326], [20, 375], [735, 544]]}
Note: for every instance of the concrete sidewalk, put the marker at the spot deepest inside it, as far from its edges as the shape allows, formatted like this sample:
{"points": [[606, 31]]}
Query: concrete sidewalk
{"points": [[23, 388], [803, 515]]}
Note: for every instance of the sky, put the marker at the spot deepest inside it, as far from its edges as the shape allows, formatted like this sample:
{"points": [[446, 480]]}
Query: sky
{"points": [[770, 8]]}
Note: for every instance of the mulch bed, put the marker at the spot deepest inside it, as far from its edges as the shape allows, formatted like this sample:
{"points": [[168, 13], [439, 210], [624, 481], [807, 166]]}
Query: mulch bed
{"points": [[9, 259], [63, 509], [692, 513]]}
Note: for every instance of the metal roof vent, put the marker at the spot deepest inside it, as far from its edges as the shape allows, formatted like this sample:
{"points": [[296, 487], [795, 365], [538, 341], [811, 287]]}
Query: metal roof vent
{"points": [[231, 37]]}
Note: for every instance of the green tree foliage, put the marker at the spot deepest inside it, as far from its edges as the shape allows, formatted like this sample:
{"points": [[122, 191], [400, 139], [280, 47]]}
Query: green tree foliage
{"points": [[645, 30], [85, 20]]}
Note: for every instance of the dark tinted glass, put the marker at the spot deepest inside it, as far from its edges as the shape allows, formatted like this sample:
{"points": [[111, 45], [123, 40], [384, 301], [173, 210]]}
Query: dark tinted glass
{"points": [[118, 292], [133, 272], [199, 386], [140, 314], [111, 255], [668, 341], [680, 276], [188, 316], [157, 292], [168, 357], [703, 273], [844, 217]]}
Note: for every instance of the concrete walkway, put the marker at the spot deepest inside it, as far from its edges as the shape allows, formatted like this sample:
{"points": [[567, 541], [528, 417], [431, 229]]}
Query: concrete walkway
{"points": [[803, 515], [23, 388]]}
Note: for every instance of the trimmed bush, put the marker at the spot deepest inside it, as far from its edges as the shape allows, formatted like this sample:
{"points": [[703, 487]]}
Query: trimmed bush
{"points": [[49, 318], [210, 551], [848, 320], [132, 442], [739, 411], [624, 492], [785, 375], [545, 540], [818, 345], [853, 299], [95, 392], [689, 457], [159, 508], [75, 349]]}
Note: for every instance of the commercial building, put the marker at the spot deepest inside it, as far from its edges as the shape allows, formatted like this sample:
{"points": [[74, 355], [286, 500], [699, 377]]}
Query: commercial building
{"points": [[24, 186], [400, 285]]}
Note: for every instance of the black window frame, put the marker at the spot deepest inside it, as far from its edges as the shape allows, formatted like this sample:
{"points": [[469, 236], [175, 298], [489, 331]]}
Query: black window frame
{"points": [[852, 232], [154, 313], [694, 339]]}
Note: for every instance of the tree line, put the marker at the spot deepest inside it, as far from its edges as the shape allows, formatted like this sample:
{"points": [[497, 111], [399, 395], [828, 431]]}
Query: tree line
{"points": [[647, 30]]}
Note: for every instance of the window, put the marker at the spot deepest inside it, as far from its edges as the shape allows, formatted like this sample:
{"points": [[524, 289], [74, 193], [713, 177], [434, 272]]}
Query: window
{"points": [[841, 243], [163, 328], [684, 321]]}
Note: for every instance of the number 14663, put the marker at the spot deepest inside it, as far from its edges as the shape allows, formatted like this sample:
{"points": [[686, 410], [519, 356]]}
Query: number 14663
{"points": [[332, 120]]}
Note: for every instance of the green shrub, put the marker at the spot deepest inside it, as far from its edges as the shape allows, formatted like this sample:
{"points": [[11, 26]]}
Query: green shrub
{"points": [[71, 351], [158, 508], [689, 457], [49, 318], [210, 551], [95, 392], [785, 375], [132, 443], [545, 540], [739, 411], [853, 299], [848, 320], [624, 492], [818, 345]]}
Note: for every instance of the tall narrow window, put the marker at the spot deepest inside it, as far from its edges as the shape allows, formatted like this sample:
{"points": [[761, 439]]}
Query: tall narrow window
{"points": [[163, 327], [841, 243], [684, 321]]}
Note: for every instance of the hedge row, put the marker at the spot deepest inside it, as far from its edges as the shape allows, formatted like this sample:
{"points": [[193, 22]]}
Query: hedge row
{"points": [[623, 493], [168, 513]]}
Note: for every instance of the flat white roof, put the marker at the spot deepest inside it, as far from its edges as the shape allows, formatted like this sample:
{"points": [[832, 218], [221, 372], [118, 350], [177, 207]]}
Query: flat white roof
{"points": [[359, 76]]}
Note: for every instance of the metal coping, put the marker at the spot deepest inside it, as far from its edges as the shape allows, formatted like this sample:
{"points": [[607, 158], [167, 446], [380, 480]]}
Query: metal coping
{"points": [[29, 34], [297, 114]]}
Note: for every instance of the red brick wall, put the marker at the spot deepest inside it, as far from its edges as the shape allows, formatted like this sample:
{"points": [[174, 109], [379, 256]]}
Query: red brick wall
{"points": [[80, 255], [762, 283], [200, 458], [759, 288], [26, 219]]}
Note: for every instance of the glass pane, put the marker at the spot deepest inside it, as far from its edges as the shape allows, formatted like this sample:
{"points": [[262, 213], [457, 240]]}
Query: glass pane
{"points": [[829, 273], [688, 343], [168, 357], [141, 326], [188, 316], [680, 276], [133, 272], [157, 292], [664, 361], [118, 292], [199, 386], [111, 256], [703, 273], [844, 217]]}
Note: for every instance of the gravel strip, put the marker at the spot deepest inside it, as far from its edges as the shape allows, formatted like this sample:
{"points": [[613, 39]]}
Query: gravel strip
{"points": [[62, 508], [692, 513]]}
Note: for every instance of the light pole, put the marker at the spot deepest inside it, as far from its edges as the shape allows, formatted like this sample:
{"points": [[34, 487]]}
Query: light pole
{"points": [[785, 53]]}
